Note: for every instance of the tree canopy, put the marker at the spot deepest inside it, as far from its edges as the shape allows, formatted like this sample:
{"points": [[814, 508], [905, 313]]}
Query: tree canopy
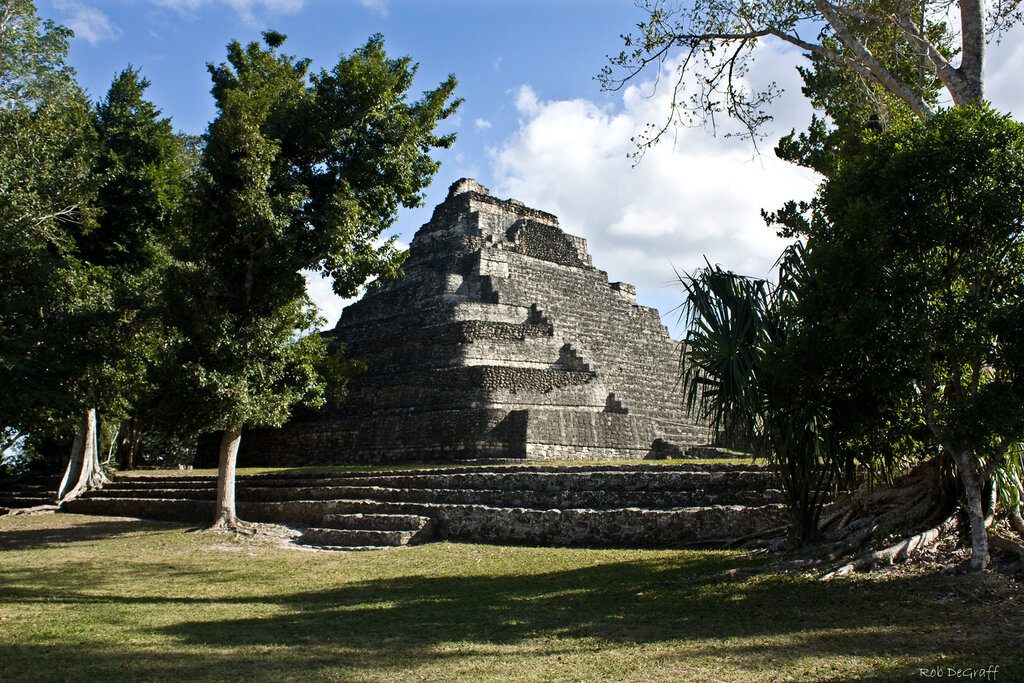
{"points": [[89, 197], [143, 269]]}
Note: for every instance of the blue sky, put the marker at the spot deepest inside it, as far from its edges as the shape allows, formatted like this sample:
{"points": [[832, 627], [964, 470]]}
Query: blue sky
{"points": [[535, 124]]}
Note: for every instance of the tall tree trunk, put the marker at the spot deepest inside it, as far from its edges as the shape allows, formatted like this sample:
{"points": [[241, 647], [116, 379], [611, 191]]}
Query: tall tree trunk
{"points": [[975, 508], [83, 472], [130, 444], [990, 497], [972, 53], [224, 511], [133, 445]]}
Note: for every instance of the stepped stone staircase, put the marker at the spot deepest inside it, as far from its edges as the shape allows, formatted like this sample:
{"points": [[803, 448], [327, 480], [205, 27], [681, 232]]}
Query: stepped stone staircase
{"points": [[687, 505], [27, 492], [359, 531]]}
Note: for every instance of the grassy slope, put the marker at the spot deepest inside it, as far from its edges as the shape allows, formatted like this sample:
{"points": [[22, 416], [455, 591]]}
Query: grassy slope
{"points": [[92, 598]]}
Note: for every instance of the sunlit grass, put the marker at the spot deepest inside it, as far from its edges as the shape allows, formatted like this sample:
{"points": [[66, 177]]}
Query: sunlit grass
{"points": [[96, 599]]}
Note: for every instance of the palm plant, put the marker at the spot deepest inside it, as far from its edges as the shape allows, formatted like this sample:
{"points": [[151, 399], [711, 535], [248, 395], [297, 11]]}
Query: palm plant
{"points": [[1009, 486], [738, 375]]}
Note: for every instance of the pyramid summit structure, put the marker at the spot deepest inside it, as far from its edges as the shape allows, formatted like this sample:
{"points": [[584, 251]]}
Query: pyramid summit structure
{"points": [[501, 340]]}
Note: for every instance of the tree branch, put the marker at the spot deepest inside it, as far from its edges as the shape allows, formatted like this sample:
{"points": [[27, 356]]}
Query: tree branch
{"points": [[930, 57], [883, 76], [866, 64], [997, 459]]}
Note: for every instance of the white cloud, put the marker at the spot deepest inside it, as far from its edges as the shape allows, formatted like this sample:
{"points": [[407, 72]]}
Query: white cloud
{"points": [[320, 290], [700, 197], [1002, 75], [527, 102], [481, 124], [88, 23], [250, 11], [378, 6]]}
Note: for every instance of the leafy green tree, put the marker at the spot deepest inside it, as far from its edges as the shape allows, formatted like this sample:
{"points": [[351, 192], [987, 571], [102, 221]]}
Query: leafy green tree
{"points": [[302, 172], [851, 106], [87, 199], [33, 57], [112, 334], [145, 168], [47, 143], [142, 163], [917, 289]]}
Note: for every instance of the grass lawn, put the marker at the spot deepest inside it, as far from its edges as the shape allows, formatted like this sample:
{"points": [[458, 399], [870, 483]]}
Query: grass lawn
{"points": [[96, 599]]}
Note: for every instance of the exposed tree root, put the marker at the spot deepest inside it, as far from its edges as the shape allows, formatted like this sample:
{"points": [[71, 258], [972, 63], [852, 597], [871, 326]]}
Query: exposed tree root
{"points": [[759, 539], [897, 552], [920, 509], [873, 513], [83, 472], [235, 526], [1008, 547], [1016, 521], [34, 510]]}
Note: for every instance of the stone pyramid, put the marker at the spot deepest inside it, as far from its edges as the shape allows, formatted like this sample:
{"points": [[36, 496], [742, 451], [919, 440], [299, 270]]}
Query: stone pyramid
{"points": [[501, 340]]}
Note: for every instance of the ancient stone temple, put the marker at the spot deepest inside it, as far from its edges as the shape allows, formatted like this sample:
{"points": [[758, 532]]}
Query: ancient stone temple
{"points": [[501, 340]]}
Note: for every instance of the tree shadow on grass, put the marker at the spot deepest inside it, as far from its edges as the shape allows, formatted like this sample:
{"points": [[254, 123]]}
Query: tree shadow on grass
{"points": [[397, 623], [688, 605], [47, 537]]}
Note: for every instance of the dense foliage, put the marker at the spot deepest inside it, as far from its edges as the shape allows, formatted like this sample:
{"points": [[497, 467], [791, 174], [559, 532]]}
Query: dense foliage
{"points": [[155, 279], [895, 336], [917, 290], [47, 146]]}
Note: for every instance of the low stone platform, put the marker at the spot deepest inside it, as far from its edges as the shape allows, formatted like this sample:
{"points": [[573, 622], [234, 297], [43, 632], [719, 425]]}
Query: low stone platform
{"points": [[27, 492], [687, 505]]}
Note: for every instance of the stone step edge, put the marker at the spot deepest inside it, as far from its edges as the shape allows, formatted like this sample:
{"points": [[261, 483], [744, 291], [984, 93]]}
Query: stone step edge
{"points": [[443, 496], [413, 523], [426, 480], [374, 537], [485, 524], [242, 491], [345, 501], [481, 469], [369, 481], [209, 482]]}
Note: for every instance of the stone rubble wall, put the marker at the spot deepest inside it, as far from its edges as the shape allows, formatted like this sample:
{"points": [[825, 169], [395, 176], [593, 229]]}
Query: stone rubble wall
{"points": [[619, 527], [497, 497], [625, 506]]}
